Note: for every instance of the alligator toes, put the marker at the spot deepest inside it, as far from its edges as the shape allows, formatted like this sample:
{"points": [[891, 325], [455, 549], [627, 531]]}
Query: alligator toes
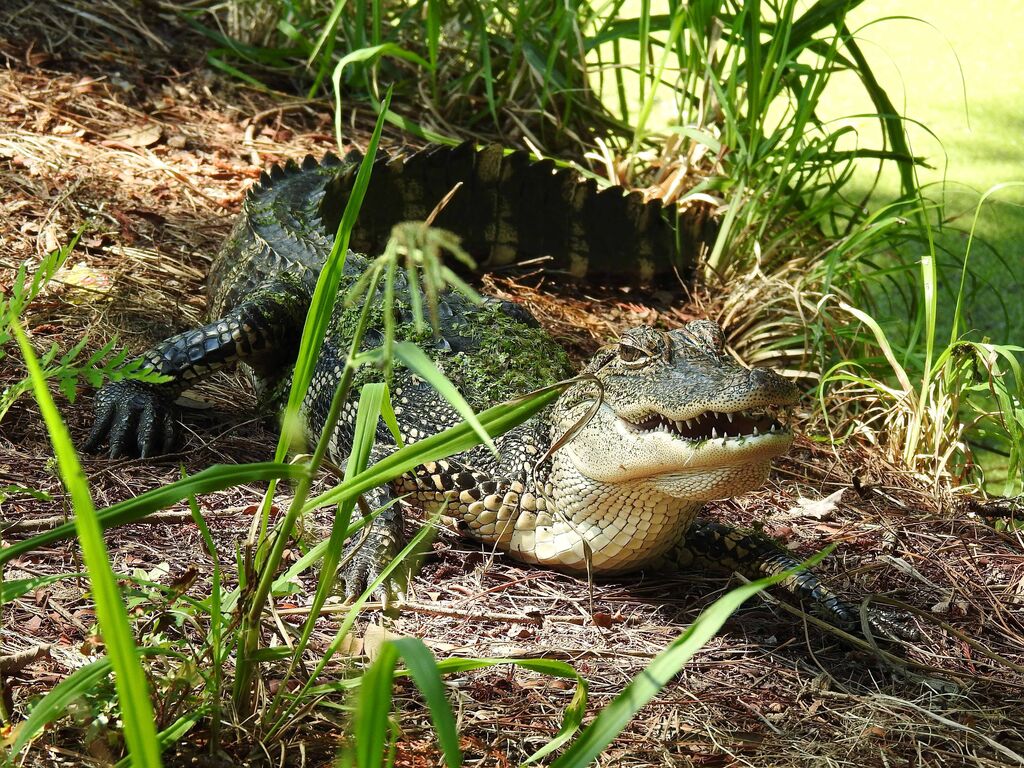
{"points": [[101, 426], [355, 577], [363, 570], [144, 433], [374, 555], [119, 435], [134, 418], [883, 624]]}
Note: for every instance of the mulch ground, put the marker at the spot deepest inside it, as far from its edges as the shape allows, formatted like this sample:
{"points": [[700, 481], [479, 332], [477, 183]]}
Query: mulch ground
{"points": [[112, 121]]}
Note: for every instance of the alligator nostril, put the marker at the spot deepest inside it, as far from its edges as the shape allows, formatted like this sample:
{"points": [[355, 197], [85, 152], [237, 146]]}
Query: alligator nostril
{"points": [[771, 382]]}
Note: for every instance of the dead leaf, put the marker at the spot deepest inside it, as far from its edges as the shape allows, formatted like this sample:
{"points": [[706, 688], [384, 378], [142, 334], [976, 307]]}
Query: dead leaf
{"points": [[136, 136], [374, 638], [815, 509], [351, 645]]}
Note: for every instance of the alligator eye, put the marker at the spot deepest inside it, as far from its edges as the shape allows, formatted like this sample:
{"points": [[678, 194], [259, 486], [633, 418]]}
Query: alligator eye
{"points": [[630, 354]]}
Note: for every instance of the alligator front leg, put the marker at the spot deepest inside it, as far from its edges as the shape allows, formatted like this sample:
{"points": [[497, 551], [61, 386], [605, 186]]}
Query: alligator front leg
{"points": [[754, 556], [365, 558], [138, 418]]}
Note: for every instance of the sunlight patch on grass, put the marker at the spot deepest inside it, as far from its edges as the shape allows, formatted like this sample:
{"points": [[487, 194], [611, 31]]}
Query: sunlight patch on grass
{"points": [[930, 66]]}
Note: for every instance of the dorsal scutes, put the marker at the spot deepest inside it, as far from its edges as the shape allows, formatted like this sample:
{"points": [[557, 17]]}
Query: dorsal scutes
{"points": [[510, 208]]}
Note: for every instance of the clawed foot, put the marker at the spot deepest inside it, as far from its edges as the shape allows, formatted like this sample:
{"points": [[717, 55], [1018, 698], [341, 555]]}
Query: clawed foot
{"points": [[892, 625], [363, 571], [134, 418], [371, 556]]}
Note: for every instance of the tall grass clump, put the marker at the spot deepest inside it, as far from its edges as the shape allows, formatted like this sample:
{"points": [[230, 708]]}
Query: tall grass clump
{"points": [[713, 103], [931, 391]]}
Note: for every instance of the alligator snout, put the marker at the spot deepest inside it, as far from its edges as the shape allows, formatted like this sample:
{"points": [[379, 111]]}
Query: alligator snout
{"points": [[781, 390]]}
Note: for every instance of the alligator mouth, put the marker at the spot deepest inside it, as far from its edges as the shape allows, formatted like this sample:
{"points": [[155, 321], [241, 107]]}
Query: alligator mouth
{"points": [[716, 425]]}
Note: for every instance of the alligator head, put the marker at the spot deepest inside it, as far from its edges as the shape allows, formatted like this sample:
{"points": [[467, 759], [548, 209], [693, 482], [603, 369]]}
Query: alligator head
{"points": [[664, 422], [677, 412]]}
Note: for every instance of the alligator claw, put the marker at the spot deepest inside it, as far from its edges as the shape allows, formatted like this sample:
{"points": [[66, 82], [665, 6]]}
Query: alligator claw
{"points": [[365, 567], [371, 556], [892, 625], [134, 419]]}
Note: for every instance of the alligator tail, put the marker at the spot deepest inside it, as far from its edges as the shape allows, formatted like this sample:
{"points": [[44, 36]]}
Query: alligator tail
{"points": [[510, 209]]}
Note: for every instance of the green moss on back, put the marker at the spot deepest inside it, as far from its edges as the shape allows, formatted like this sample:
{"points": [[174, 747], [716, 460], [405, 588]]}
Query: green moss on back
{"points": [[488, 355], [509, 359]]}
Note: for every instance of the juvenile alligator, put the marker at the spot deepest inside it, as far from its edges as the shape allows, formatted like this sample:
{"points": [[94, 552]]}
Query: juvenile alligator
{"points": [[677, 424]]}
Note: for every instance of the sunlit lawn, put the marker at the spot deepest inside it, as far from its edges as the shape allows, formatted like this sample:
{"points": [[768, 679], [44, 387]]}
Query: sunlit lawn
{"points": [[959, 72]]}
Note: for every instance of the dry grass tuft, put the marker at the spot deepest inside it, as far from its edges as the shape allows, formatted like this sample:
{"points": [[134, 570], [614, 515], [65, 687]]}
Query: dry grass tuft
{"points": [[107, 123]]}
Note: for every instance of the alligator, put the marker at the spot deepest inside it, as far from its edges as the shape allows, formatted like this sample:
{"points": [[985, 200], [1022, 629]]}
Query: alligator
{"points": [[609, 479]]}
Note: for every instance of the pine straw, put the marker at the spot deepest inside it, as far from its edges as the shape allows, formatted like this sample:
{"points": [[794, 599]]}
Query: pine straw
{"points": [[768, 691]]}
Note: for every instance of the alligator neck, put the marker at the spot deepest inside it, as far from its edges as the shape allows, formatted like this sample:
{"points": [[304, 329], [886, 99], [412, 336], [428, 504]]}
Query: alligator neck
{"points": [[625, 525]]}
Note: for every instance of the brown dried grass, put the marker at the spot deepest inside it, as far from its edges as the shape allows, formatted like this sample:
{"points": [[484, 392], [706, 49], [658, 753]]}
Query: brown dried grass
{"points": [[115, 123]]}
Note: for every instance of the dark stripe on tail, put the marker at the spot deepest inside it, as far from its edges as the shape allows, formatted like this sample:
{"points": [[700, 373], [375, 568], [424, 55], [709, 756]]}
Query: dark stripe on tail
{"points": [[511, 209]]}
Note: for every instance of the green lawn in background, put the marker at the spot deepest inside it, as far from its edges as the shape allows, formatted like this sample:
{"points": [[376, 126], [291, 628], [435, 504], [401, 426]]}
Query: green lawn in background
{"points": [[959, 71]]}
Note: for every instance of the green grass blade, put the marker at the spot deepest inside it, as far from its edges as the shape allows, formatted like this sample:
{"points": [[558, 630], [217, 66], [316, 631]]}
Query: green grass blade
{"points": [[374, 700], [215, 478], [370, 722], [328, 31], [454, 440], [350, 618], [883, 344], [423, 668], [13, 589], [892, 123], [55, 703], [573, 716], [958, 310], [213, 58], [417, 361], [571, 719], [326, 291], [371, 399], [664, 667], [363, 55], [313, 332], [132, 688], [218, 649], [173, 733]]}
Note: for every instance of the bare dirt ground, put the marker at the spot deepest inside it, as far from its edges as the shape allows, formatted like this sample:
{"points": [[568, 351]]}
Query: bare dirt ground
{"points": [[110, 119]]}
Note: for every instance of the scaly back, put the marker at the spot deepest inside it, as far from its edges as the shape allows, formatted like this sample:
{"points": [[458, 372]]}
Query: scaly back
{"points": [[509, 209]]}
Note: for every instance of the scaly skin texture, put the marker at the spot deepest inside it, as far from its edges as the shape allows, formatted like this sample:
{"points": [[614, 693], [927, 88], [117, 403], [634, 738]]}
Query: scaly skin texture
{"points": [[609, 479]]}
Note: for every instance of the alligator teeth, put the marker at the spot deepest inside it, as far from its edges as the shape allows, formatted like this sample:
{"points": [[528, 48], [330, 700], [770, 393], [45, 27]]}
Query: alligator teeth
{"points": [[773, 427], [714, 433], [755, 430], [689, 423]]}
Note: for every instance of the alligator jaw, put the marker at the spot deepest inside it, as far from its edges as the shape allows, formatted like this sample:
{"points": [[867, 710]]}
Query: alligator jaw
{"points": [[713, 425], [658, 447]]}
